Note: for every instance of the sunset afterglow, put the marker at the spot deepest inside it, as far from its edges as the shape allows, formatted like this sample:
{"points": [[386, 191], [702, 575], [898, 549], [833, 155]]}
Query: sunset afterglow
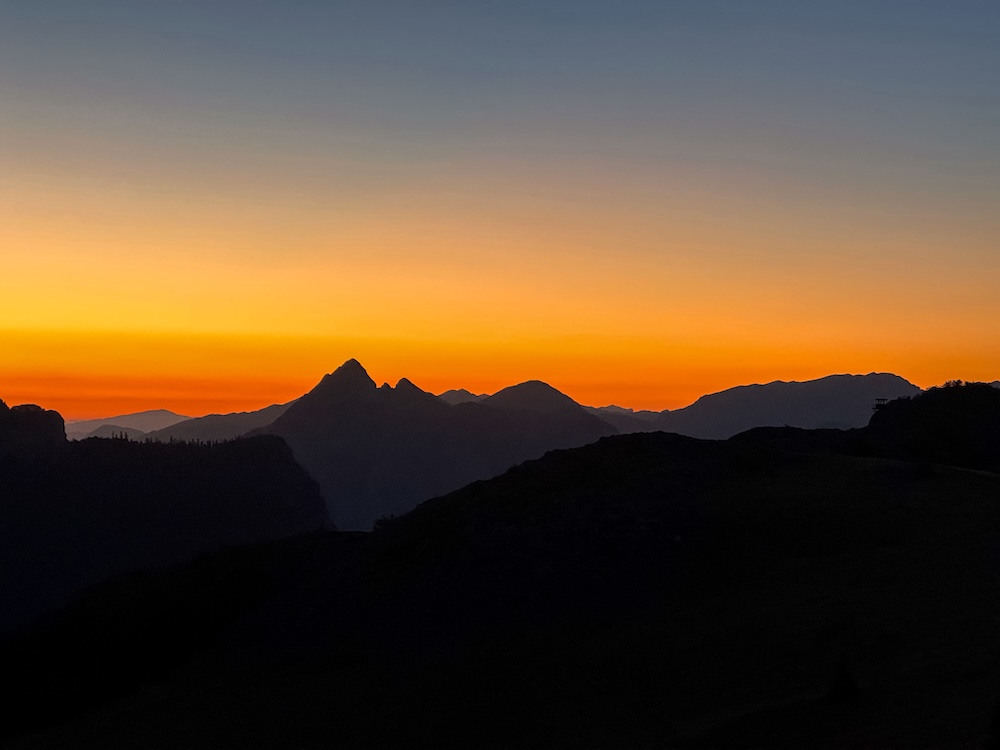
{"points": [[206, 210]]}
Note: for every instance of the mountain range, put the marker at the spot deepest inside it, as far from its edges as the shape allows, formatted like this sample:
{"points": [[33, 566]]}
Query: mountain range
{"points": [[836, 401], [380, 451]]}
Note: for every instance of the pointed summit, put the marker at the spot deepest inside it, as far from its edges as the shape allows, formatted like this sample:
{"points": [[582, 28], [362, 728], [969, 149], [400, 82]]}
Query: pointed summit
{"points": [[349, 375]]}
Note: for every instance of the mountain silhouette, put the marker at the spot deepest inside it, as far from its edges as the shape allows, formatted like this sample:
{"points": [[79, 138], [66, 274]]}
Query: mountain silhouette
{"points": [[76, 512], [215, 427], [836, 401], [378, 451], [646, 590], [535, 396], [145, 421]]}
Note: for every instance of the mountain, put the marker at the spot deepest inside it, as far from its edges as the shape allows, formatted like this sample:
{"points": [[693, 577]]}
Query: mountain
{"points": [[146, 421], [460, 396], [786, 588], [380, 451], [215, 427], [836, 401], [535, 396], [76, 512]]}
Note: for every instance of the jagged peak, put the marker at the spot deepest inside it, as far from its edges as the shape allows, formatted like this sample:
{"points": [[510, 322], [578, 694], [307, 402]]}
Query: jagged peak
{"points": [[350, 373]]}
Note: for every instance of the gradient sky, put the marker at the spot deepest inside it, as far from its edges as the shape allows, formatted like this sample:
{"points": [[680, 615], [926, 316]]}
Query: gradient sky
{"points": [[205, 206]]}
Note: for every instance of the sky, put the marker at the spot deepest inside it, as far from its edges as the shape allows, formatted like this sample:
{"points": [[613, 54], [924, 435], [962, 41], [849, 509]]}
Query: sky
{"points": [[205, 206]]}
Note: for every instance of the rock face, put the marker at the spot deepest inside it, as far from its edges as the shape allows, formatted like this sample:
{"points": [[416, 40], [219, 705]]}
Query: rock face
{"points": [[30, 428], [379, 451], [74, 513]]}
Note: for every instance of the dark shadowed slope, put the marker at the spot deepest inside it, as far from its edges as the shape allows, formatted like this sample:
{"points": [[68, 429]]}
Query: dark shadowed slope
{"points": [[74, 513], [836, 401], [646, 590], [380, 451], [146, 421], [956, 425], [216, 427]]}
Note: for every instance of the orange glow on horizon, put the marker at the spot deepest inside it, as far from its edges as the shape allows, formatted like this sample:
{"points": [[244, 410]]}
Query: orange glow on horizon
{"points": [[611, 282], [91, 375]]}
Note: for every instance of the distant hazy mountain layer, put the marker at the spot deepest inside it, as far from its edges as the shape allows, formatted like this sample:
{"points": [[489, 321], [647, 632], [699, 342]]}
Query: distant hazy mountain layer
{"points": [[144, 421], [216, 427]]}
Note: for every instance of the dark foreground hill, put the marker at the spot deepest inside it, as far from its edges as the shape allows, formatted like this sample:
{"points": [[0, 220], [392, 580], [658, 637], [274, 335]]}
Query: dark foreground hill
{"points": [[380, 451], [648, 590], [74, 513]]}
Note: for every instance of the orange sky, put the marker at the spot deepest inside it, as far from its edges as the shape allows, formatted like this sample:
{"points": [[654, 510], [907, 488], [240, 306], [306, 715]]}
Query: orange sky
{"points": [[202, 214], [122, 301]]}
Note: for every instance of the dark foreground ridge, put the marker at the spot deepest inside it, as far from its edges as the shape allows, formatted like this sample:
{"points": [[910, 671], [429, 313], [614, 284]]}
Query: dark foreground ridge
{"points": [[786, 588], [75, 513]]}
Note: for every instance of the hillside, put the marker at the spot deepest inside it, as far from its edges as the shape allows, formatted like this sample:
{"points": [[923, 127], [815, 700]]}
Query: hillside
{"points": [[645, 590], [144, 421], [75, 513]]}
